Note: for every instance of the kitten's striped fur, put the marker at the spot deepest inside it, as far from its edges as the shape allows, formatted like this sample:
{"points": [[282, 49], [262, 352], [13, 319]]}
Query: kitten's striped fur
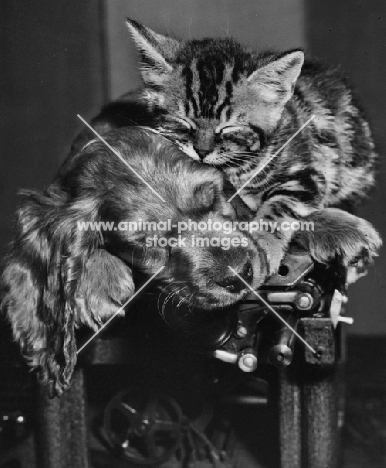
{"points": [[234, 108]]}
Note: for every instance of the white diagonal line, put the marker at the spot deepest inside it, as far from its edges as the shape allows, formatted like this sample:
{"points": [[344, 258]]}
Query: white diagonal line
{"points": [[120, 309], [270, 159], [121, 158], [273, 310]]}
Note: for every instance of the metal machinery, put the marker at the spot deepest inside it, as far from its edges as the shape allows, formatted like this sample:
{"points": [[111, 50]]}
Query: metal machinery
{"points": [[145, 424], [293, 325]]}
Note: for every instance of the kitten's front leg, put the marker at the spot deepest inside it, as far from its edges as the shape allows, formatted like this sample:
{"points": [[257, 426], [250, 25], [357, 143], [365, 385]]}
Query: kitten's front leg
{"points": [[338, 235], [328, 234], [274, 226]]}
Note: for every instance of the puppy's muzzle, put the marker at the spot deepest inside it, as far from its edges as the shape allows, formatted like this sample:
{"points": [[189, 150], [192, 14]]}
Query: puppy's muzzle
{"points": [[234, 281]]}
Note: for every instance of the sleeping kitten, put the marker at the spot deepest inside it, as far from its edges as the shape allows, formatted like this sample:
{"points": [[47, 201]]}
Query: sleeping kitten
{"points": [[234, 108]]}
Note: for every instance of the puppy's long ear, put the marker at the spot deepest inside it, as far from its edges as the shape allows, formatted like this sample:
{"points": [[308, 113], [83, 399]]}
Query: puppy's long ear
{"points": [[29, 290], [48, 282], [34, 290]]}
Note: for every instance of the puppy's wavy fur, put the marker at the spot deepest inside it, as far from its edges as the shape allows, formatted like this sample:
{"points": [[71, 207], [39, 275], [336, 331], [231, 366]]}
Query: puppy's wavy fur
{"points": [[58, 277]]}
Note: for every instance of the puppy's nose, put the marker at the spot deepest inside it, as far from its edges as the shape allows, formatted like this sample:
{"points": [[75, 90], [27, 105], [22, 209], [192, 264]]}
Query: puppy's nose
{"points": [[232, 282]]}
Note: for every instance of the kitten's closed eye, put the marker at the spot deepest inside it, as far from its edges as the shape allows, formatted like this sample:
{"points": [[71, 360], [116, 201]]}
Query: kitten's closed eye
{"points": [[184, 123], [178, 129], [181, 130], [228, 129], [242, 135]]}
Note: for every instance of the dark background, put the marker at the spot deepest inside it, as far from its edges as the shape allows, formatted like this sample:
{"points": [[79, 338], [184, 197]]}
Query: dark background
{"points": [[58, 59]]}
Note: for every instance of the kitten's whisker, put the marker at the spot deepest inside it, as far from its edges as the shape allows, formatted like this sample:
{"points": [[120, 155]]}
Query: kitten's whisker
{"points": [[240, 157], [248, 153]]}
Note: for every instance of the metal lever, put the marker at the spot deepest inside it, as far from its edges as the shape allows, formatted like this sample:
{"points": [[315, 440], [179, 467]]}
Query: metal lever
{"points": [[281, 353], [335, 309], [246, 360]]}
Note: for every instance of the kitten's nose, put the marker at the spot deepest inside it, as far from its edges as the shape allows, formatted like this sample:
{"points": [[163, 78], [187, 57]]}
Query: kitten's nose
{"points": [[203, 153]]}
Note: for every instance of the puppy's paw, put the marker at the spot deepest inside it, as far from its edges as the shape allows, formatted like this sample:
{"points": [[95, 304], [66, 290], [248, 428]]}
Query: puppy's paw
{"points": [[339, 235], [106, 284]]}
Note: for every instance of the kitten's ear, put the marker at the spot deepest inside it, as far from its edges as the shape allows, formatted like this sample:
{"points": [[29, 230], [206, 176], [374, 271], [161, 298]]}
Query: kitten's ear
{"points": [[157, 52], [275, 81]]}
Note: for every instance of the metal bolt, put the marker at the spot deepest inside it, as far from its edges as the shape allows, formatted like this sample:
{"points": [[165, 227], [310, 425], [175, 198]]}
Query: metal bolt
{"points": [[304, 301], [247, 361], [280, 355]]}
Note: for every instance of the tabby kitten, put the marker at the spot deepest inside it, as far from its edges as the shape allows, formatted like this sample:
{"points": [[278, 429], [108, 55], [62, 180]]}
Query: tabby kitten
{"points": [[234, 108]]}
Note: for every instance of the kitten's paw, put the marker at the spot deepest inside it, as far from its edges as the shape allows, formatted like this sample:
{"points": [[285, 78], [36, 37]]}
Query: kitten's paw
{"points": [[274, 250], [354, 273], [339, 235]]}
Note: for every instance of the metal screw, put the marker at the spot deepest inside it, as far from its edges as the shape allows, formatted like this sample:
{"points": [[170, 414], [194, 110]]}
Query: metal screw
{"points": [[247, 361], [304, 301]]}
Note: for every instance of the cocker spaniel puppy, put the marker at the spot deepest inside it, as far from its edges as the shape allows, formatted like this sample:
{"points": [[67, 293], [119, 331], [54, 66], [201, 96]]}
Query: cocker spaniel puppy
{"points": [[59, 275]]}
